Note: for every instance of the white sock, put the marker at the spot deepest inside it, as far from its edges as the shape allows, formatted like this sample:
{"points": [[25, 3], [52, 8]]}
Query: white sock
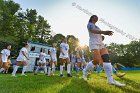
{"points": [[37, 69], [49, 70], [2, 69], [108, 69], [45, 69], [53, 67], [61, 69], [24, 69], [88, 66], [72, 69], [15, 70], [68, 68]]}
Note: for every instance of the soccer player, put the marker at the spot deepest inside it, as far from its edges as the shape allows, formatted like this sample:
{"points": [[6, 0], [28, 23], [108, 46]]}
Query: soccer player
{"points": [[72, 60], [53, 58], [99, 51], [21, 60], [79, 59], [42, 62], [5, 53], [64, 56]]}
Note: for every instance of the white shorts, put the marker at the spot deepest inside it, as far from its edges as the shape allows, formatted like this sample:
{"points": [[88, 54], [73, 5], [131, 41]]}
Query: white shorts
{"points": [[41, 62], [54, 59], [96, 46], [63, 57], [21, 59], [4, 62]]}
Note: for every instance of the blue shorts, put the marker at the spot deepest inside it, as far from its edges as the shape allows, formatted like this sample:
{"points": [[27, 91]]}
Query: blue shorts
{"points": [[78, 60], [83, 60]]}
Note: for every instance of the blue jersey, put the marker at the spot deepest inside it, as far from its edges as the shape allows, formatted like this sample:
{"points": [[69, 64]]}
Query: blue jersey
{"points": [[72, 57]]}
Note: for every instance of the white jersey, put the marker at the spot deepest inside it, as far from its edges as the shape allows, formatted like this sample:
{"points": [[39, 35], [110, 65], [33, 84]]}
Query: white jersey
{"points": [[42, 57], [65, 49], [53, 53], [5, 53], [21, 57], [94, 38]]}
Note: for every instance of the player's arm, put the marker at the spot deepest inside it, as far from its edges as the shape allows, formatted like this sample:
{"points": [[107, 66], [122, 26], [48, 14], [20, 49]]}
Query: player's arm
{"points": [[25, 55], [101, 32]]}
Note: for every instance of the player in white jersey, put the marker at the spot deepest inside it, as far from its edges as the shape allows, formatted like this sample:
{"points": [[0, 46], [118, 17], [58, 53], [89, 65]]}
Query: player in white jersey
{"points": [[64, 56], [5, 53], [99, 52], [42, 62], [53, 57], [21, 60]]}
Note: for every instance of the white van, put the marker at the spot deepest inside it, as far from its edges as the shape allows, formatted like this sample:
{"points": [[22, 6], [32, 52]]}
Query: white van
{"points": [[34, 51]]}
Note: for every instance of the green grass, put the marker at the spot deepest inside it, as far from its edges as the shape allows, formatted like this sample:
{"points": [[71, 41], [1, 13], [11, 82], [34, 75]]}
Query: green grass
{"points": [[55, 84]]}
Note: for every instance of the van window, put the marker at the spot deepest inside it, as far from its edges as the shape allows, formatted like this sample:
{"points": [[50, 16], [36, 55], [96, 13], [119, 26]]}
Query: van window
{"points": [[35, 49]]}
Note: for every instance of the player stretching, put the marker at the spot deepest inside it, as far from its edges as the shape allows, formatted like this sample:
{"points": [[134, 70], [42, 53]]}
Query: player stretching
{"points": [[64, 56]]}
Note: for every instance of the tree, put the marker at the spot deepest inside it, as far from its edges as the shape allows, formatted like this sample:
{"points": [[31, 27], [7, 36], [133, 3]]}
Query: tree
{"points": [[73, 42]]}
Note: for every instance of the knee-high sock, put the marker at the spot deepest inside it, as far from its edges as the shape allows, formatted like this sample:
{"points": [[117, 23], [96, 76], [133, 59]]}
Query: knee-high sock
{"points": [[2, 69], [24, 69], [68, 68], [98, 69], [114, 70], [61, 69], [108, 69], [45, 69], [37, 69], [77, 69], [15, 70], [89, 65], [49, 70], [53, 67]]}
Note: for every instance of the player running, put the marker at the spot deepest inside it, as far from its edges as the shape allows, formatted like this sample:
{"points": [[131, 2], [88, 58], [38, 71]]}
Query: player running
{"points": [[21, 60], [99, 52]]}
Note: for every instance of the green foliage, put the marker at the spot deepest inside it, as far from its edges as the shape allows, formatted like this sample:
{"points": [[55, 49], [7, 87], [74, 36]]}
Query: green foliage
{"points": [[17, 26], [128, 55]]}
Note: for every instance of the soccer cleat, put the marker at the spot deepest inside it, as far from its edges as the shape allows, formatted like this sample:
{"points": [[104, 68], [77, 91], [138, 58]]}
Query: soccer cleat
{"points": [[116, 83], [121, 75], [23, 75], [14, 76], [84, 75], [61, 75], [69, 75]]}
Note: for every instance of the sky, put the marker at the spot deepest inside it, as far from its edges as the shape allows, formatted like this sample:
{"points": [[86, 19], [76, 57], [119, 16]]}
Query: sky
{"points": [[66, 19]]}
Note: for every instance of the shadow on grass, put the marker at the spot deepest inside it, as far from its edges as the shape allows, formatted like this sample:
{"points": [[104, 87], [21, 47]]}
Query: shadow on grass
{"points": [[81, 86], [132, 84]]}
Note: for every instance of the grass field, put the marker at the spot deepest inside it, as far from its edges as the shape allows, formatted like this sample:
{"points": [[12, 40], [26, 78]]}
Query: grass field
{"points": [[55, 84]]}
